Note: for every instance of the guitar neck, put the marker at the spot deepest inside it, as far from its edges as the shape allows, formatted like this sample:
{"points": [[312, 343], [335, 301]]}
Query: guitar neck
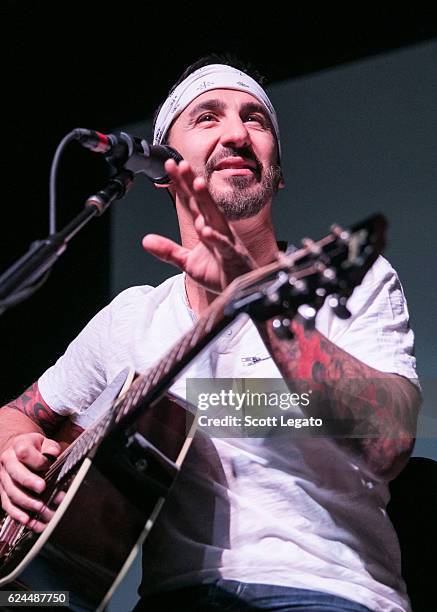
{"points": [[345, 255], [151, 385]]}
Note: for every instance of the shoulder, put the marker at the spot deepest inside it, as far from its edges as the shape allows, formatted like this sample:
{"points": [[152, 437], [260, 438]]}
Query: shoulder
{"points": [[141, 297], [381, 291], [105, 346], [382, 272], [378, 332]]}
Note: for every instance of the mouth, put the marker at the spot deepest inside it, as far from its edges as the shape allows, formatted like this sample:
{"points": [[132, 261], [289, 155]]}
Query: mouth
{"points": [[236, 171], [236, 166]]}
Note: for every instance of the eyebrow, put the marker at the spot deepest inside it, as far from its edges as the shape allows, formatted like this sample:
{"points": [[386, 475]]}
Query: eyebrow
{"points": [[254, 107], [212, 104]]}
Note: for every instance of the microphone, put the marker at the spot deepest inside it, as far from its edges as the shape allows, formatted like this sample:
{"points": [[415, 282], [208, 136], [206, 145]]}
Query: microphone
{"points": [[130, 152]]}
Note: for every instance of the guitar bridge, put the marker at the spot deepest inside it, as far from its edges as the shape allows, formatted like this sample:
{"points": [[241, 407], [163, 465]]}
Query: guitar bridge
{"points": [[136, 467], [144, 453]]}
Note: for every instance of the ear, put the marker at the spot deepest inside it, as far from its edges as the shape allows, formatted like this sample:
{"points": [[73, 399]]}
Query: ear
{"points": [[281, 183]]}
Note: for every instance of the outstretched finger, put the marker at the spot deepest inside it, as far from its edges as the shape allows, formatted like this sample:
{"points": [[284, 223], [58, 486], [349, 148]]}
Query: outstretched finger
{"points": [[213, 216], [202, 231], [182, 178], [165, 249]]}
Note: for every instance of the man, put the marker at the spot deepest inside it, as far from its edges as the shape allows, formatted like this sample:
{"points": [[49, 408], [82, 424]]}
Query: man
{"points": [[252, 523]]}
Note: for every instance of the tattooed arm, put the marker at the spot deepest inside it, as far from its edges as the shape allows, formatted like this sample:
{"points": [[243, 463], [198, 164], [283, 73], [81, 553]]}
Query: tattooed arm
{"points": [[24, 424], [28, 413], [371, 414]]}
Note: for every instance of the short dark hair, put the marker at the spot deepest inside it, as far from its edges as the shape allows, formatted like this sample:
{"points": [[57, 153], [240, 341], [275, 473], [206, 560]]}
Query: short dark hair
{"points": [[228, 59]]}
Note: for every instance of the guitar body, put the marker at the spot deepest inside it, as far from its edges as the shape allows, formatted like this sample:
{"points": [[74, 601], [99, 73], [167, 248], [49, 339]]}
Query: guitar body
{"points": [[87, 543], [111, 503]]}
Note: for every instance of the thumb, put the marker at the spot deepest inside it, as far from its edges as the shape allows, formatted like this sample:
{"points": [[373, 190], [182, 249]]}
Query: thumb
{"points": [[50, 447], [165, 249]]}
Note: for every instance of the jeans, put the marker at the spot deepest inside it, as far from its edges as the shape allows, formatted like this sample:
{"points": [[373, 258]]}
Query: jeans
{"points": [[235, 596]]}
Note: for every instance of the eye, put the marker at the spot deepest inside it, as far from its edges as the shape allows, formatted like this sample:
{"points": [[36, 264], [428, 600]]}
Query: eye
{"points": [[206, 117], [256, 118]]}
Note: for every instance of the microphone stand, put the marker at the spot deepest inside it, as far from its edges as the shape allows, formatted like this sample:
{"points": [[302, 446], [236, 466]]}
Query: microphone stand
{"points": [[20, 281]]}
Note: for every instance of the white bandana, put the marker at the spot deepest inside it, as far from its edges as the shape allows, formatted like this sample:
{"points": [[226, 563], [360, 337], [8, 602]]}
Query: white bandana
{"points": [[213, 76]]}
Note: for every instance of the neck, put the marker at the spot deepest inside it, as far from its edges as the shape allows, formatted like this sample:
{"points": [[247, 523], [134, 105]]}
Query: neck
{"points": [[256, 233]]}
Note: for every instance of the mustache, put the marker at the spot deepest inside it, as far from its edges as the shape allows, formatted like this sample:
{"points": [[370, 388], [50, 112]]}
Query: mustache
{"points": [[245, 152]]}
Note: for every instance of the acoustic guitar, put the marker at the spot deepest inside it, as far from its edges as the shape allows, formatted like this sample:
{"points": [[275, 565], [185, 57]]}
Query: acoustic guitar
{"points": [[118, 472]]}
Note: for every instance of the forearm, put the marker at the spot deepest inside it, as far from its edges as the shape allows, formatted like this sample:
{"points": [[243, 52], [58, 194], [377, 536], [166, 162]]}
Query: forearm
{"points": [[27, 414], [371, 414]]}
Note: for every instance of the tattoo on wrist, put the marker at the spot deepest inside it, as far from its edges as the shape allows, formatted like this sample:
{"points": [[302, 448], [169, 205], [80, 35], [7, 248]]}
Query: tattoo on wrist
{"points": [[32, 404]]}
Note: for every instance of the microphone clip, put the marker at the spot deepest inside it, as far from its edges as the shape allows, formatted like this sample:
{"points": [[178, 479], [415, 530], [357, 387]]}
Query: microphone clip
{"points": [[126, 152]]}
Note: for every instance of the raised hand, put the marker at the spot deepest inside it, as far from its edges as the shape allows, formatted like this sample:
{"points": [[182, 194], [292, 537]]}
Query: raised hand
{"points": [[219, 256]]}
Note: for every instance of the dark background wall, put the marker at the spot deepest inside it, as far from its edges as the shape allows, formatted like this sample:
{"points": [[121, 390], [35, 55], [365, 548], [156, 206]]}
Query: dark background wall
{"points": [[356, 96], [360, 124]]}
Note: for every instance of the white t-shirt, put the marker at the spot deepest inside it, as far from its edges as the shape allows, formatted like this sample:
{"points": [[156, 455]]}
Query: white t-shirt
{"points": [[274, 510]]}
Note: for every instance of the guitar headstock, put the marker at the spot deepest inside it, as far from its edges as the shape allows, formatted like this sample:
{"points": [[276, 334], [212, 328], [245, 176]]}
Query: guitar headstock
{"points": [[332, 266]]}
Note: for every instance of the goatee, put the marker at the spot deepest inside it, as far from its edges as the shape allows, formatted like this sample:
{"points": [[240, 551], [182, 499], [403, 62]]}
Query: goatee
{"points": [[245, 199]]}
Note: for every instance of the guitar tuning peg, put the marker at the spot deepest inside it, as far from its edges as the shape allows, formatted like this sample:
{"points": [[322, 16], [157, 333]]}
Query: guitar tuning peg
{"points": [[307, 315], [299, 285], [338, 306], [312, 246], [282, 328], [338, 231], [329, 274]]}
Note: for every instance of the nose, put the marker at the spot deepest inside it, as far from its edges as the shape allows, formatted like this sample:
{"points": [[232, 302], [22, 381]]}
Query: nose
{"points": [[235, 133]]}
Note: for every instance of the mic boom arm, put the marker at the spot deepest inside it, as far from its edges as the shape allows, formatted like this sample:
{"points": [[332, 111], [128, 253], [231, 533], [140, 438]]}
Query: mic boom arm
{"points": [[128, 156]]}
